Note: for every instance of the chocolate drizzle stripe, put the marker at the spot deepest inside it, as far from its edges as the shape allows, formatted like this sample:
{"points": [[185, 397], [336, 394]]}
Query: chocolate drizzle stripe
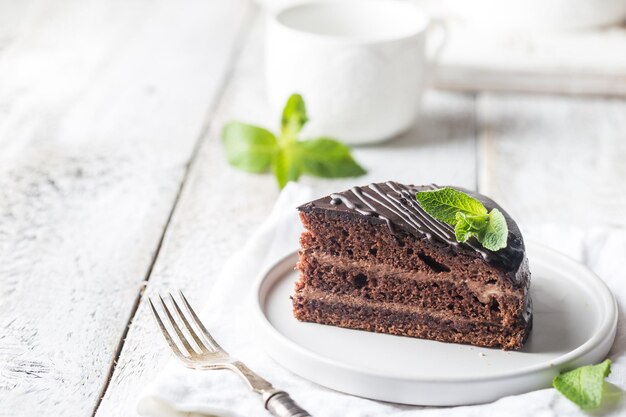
{"points": [[399, 210], [414, 225], [359, 194], [415, 215]]}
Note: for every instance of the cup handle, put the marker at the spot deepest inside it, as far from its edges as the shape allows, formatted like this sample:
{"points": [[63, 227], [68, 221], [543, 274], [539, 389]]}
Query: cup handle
{"points": [[433, 52]]}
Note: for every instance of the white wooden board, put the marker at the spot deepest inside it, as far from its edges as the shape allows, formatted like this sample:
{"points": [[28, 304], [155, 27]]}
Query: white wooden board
{"points": [[101, 106], [552, 159]]}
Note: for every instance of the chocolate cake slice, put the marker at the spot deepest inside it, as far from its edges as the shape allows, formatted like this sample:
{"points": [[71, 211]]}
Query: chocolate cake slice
{"points": [[372, 259]]}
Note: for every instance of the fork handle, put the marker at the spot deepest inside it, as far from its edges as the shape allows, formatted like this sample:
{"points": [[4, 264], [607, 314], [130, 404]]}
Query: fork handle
{"points": [[280, 404]]}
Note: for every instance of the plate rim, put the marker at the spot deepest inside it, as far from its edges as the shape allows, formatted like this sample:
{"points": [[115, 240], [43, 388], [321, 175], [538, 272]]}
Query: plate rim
{"points": [[606, 330]]}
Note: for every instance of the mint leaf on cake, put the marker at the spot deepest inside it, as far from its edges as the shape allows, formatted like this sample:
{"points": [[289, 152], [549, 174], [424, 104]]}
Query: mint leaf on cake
{"points": [[468, 215], [496, 233], [468, 225], [584, 386], [444, 203], [254, 149]]}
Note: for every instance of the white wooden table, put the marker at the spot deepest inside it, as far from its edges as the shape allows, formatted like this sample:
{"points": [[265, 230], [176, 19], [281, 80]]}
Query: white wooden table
{"points": [[113, 181]]}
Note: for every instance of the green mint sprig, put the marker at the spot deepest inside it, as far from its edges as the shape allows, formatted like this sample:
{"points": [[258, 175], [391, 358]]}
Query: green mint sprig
{"points": [[254, 149], [468, 216], [584, 386]]}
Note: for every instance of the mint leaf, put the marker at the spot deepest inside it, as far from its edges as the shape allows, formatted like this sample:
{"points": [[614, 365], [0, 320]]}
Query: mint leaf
{"points": [[249, 148], [444, 203], [583, 386], [468, 225], [286, 166], [294, 117], [468, 216], [327, 158], [496, 233], [255, 149]]}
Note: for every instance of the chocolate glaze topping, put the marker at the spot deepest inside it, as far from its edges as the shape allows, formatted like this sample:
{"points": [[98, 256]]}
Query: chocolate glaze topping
{"points": [[395, 204]]}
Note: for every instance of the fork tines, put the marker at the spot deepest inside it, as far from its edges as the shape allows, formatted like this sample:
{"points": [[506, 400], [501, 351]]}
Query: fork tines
{"points": [[188, 338]]}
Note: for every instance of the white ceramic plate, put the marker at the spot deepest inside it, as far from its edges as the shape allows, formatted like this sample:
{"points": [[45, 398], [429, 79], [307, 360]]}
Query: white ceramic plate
{"points": [[575, 318]]}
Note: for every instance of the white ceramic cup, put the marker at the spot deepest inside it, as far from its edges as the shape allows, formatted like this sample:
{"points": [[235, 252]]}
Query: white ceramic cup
{"points": [[360, 65]]}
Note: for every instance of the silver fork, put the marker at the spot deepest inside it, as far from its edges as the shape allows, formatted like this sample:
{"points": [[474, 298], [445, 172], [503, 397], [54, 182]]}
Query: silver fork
{"points": [[197, 349]]}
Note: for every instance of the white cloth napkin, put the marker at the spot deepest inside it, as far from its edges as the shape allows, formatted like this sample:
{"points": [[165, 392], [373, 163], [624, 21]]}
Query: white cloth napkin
{"points": [[182, 392]]}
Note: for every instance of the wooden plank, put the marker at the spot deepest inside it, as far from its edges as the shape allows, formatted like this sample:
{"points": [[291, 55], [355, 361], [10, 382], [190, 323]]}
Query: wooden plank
{"points": [[513, 58], [220, 207], [102, 103], [497, 80], [554, 159], [217, 212]]}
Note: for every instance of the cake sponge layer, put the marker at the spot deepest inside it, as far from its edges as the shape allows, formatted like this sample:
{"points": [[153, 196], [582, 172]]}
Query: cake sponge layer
{"points": [[341, 311], [383, 283]]}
